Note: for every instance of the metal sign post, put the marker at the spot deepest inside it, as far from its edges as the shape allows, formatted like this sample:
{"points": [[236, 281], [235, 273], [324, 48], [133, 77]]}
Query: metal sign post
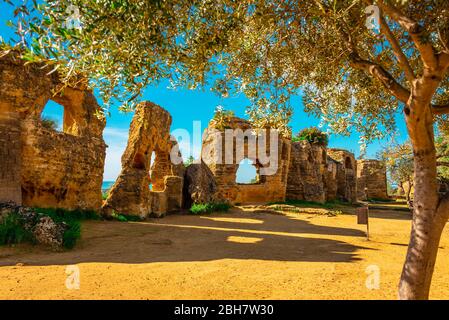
{"points": [[363, 218]]}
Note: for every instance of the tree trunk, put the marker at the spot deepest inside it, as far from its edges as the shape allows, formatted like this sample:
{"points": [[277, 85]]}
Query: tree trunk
{"points": [[428, 221]]}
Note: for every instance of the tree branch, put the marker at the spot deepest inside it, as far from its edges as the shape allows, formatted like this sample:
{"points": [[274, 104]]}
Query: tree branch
{"points": [[402, 59], [417, 33], [374, 69], [440, 109], [443, 60], [377, 71]]}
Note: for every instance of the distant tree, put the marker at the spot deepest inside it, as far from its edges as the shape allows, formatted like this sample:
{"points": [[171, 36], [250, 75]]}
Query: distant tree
{"points": [[399, 161], [189, 161], [222, 118], [253, 180], [50, 124], [313, 135]]}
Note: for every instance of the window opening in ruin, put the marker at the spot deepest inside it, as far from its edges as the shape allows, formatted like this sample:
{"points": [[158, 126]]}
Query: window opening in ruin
{"points": [[52, 116], [247, 172]]}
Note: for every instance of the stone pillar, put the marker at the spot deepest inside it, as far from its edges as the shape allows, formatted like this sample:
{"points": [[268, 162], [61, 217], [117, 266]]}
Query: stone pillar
{"points": [[173, 189]]}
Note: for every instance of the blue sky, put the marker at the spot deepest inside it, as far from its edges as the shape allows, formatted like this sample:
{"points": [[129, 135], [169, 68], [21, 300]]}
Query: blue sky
{"points": [[187, 106]]}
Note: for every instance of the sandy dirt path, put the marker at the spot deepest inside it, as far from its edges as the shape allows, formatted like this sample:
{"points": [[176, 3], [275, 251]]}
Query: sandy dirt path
{"points": [[237, 255]]}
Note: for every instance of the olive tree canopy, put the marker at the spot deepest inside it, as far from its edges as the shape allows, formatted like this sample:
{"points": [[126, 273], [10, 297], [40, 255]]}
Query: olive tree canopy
{"points": [[265, 49]]}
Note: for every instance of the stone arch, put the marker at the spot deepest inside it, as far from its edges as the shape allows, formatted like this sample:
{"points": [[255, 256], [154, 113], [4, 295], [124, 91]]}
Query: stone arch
{"points": [[131, 194]]}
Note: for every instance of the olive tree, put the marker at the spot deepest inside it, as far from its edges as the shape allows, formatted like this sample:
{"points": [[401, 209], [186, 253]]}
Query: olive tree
{"points": [[353, 75], [399, 162]]}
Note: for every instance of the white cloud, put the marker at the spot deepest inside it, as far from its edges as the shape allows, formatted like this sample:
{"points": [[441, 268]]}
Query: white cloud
{"points": [[115, 133]]}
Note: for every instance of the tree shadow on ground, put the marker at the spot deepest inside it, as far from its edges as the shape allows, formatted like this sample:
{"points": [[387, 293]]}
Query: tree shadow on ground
{"points": [[390, 214], [182, 238]]}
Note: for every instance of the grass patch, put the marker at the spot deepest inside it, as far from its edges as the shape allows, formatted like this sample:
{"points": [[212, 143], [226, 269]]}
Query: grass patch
{"points": [[206, 208], [12, 230], [375, 200], [62, 215], [124, 217]]}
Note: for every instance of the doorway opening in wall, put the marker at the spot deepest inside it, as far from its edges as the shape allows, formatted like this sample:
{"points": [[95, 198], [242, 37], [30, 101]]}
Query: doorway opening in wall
{"points": [[52, 116], [247, 172], [152, 160]]}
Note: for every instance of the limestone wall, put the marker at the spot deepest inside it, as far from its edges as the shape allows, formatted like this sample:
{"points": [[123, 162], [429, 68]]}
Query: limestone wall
{"points": [[346, 179], [308, 164], [330, 179], [41, 167], [371, 180], [223, 155], [10, 158], [131, 194]]}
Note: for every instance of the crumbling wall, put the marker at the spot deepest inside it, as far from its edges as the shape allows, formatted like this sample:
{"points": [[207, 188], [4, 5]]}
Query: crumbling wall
{"points": [[371, 180], [41, 167], [222, 156], [308, 165], [131, 194], [330, 179], [10, 157], [346, 179]]}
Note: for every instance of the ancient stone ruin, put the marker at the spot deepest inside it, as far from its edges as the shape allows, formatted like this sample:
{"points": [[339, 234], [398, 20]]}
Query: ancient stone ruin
{"points": [[346, 179], [222, 154], [306, 171], [41, 167], [308, 163], [319, 174], [143, 188], [371, 182]]}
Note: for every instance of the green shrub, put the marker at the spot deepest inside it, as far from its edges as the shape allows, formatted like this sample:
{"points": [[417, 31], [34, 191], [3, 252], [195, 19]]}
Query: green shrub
{"points": [[72, 218], [374, 200], [62, 215], [124, 217], [313, 135], [189, 161], [12, 231], [72, 234], [222, 118], [204, 208]]}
